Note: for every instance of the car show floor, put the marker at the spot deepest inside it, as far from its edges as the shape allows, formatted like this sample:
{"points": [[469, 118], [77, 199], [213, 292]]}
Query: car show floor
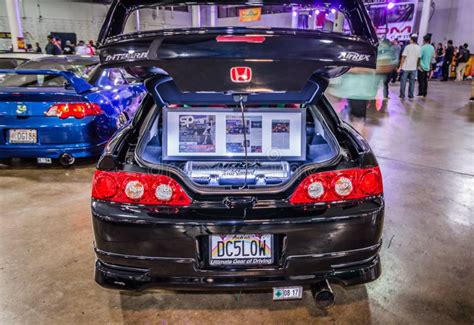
{"points": [[425, 148]]}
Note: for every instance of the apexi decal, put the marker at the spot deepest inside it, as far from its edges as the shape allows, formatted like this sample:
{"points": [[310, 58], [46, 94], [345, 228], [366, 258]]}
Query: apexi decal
{"points": [[354, 56], [126, 56]]}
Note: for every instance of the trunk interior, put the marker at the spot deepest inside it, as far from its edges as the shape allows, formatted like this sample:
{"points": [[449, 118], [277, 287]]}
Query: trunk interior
{"points": [[233, 170]]}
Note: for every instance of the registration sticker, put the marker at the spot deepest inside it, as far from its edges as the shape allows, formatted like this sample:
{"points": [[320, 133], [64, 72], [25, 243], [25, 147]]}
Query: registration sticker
{"points": [[44, 160], [244, 249], [287, 293]]}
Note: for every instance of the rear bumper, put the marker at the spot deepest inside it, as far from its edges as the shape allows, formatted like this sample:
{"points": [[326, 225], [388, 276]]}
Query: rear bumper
{"points": [[81, 138], [78, 150], [129, 278], [138, 250]]}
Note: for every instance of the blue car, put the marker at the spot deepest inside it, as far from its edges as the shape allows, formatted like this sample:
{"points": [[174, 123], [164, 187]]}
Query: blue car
{"points": [[63, 107]]}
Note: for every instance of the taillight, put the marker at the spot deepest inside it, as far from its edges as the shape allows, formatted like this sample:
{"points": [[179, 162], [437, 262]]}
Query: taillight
{"points": [[77, 110], [138, 188], [338, 185]]}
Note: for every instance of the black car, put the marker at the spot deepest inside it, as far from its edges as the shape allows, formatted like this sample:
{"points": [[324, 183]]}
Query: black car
{"points": [[236, 173]]}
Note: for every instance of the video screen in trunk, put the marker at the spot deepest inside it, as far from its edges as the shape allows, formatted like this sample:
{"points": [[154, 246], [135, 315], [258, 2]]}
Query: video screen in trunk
{"points": [[266, 133]]}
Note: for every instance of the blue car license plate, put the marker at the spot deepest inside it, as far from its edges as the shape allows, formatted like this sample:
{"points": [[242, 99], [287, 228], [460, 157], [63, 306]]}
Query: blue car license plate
{"points": [[244, 249], [22, 136]]}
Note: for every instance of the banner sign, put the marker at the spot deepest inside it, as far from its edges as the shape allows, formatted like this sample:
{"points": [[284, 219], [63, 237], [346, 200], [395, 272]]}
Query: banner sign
{"points": [[250, 14]]}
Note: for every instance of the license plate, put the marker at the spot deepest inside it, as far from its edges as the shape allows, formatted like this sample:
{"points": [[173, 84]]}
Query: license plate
{"points": [[287, 293], [44, 160], [245, 249], [22, 136]]}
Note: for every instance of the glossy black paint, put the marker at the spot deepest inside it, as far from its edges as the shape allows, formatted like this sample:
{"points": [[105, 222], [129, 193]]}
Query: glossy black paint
{"points": [[167, 247], [189, 55], [140, 247], [156, 246]]}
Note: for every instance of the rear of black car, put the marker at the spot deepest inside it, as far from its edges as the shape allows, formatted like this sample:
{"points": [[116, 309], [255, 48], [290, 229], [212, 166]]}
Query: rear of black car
{"points": [[225, 209]]}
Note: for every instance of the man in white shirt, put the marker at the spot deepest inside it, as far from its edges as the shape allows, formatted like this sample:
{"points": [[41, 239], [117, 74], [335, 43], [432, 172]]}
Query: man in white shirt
{"points": [[408, 66], [81, 49]]}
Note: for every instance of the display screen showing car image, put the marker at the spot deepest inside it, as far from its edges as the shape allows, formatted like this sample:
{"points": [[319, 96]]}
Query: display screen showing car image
{"points": [[195, 132]]}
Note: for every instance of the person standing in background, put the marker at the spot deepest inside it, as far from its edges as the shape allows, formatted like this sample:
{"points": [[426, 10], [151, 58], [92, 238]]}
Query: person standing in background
{"points": [[439, 61], [38, 48], [68, 48], [387, 62], [408, 66], [397, 50], [81, 49], [462, 58], [52, 47], [427, 54], [448, 57], [91, 47]]}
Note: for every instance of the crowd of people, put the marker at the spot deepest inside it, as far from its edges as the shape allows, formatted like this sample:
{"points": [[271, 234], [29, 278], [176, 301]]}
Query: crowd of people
{"points": [[55, 47], [406, 63], [422, 63]]}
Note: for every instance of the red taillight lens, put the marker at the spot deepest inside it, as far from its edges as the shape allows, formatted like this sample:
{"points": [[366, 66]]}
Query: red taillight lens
{"points": [[104, 186], [240, 39], [339, 185], [77, 110], [138, 188]]}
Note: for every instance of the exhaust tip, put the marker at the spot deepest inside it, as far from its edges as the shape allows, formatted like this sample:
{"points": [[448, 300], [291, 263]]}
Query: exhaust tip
{"points": [[66, 159], [323, 295]]}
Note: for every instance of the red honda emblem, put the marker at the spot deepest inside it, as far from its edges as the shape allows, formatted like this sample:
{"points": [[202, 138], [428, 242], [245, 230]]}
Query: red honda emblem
{"points": [[241, 74]]}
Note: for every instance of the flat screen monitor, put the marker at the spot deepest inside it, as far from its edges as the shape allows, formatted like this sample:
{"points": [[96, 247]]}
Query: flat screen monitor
{"points": [[218, 133]]}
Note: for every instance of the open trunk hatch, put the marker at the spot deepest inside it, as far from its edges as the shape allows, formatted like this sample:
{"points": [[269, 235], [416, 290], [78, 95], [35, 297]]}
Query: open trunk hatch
{"points": [[232, 56], [235, 104]]}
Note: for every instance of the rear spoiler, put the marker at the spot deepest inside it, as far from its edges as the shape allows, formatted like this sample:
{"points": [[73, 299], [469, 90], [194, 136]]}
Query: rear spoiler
{"points": [[78, 83], [200, 59]]}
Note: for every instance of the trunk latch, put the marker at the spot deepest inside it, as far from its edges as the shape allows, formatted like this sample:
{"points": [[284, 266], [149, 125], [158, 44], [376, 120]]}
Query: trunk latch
{"points": [[246, 202]]}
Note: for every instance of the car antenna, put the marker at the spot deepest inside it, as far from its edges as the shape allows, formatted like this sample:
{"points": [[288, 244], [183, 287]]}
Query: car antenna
{"points": [[241, 99]]}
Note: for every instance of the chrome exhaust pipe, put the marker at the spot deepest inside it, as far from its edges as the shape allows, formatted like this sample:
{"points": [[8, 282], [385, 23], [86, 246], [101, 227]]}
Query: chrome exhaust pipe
{"points": [[323, 295], [66, 160]]}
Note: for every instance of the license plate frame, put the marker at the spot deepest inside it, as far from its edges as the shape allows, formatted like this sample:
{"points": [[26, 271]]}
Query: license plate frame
{"points": [[288, 293], [242, 260], [22, 136]]}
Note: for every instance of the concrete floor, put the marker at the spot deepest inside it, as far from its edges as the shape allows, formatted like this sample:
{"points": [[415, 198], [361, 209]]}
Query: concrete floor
{"points": [[426, 152]]}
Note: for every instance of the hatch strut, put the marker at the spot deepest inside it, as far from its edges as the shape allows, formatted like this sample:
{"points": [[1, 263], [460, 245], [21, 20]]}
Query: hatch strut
{"points": [[241, 99]]}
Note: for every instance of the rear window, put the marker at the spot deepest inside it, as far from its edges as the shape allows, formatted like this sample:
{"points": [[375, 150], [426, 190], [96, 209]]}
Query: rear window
{"points": [[325, 19], [10, 63], [79, 67], [34, 81]]}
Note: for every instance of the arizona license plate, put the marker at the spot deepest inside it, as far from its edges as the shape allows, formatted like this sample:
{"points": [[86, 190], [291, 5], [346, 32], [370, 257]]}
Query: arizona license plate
{"points": [[245, 249], [287, 293], [22, 136]]}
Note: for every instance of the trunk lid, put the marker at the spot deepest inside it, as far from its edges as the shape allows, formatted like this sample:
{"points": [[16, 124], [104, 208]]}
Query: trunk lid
{"points": [[21, 102], [203, 59], [26, 93]]}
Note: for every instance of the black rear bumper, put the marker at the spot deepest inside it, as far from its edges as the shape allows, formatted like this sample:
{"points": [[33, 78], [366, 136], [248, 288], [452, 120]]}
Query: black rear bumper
{"points": [[138, 250], [128, 278]]}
